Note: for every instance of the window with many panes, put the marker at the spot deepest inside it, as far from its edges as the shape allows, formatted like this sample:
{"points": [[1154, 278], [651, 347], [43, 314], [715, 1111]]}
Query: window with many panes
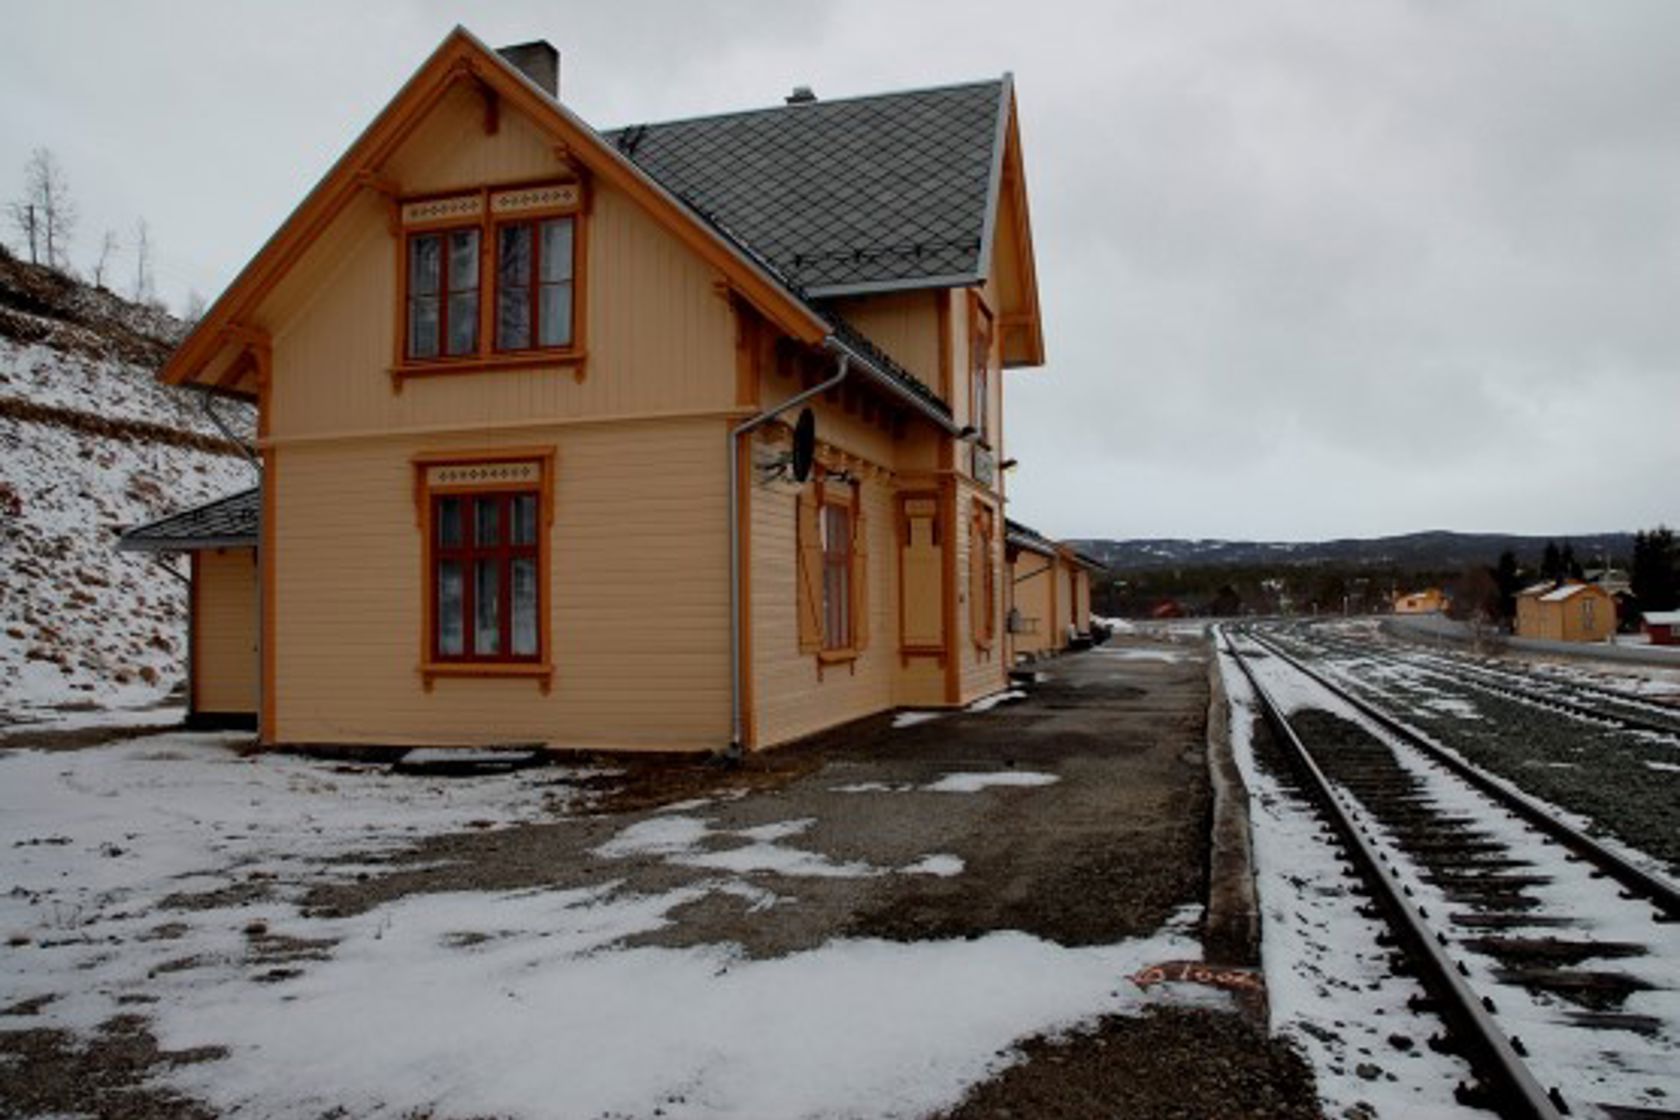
{"points": [[485, 581], [534, 281], [837, 576], [980, 372], [443, 293], [491, 278]]}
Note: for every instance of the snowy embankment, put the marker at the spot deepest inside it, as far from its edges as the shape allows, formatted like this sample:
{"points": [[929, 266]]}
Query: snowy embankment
{"points": [[90, 444], [510, 1003]]}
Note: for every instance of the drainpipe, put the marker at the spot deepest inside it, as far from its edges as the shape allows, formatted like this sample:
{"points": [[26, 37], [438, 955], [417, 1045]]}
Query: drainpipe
{"points": [[206, 399], [842, 367]]}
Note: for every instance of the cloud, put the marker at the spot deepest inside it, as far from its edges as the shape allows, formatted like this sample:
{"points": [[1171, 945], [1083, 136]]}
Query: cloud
{"points": [[1308, 268]]}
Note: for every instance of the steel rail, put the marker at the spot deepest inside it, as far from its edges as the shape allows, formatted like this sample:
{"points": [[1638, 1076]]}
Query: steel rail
{"points": [[1664, 894], [1468, 1008], [1496, 680]]}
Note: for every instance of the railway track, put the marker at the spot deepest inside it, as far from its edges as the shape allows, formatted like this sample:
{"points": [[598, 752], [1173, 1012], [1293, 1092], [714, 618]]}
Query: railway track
{"points": [[1586, 701], [1553, 961]]}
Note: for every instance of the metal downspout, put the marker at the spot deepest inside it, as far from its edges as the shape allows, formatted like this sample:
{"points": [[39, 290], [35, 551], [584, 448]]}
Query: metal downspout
{"points": [[843, 367]]}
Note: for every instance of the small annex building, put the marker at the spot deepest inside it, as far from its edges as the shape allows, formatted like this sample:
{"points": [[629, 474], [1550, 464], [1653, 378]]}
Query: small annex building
{"points": [[1050, 592], [1662, 627], [1431, 600], [531, 417], [220, 541], [1567, 612]]}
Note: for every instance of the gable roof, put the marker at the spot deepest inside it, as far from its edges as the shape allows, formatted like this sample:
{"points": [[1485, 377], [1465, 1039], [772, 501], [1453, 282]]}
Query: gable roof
{"points": [[864, 194], [224, 338], [228, 522], [226, 353]]}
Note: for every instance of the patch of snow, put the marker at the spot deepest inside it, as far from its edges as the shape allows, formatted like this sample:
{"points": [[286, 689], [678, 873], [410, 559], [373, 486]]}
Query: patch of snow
{"points": [[1668, 767], [684, 841], [1144, 653], [873, 787], [656, 836], [974, 782], [941, 865], [911, 719], [987, 703], [563, 1023]]}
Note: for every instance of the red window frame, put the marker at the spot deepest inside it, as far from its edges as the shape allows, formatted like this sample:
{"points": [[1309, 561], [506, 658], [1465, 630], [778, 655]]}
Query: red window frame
{"points": [[442, 293], [534, 285], [468, 554], [980, 373], [837, 528]]}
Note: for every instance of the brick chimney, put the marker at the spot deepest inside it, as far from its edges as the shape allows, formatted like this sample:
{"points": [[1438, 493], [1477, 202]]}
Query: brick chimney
{"points": [[538, 61]]}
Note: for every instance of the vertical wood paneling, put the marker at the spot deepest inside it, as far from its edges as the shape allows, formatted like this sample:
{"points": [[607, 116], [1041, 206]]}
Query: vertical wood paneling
{"points": [[225, 631], [905, 325], [795, 696]]}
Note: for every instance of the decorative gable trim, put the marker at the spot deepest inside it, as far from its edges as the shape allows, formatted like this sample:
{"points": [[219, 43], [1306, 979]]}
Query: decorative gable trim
{"points": [[462, 56]]}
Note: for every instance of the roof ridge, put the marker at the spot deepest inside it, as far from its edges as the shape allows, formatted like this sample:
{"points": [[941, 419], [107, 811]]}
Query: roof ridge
{"points": [[807, 105]]}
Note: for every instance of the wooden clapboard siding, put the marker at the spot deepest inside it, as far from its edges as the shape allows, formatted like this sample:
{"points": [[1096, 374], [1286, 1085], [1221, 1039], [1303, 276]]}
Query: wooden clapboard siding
{"points": [[660, 340], [1030, 576], [795, 693], [1064, 600], [638, 610], [906, 325], [224, 640], [980, 671]]}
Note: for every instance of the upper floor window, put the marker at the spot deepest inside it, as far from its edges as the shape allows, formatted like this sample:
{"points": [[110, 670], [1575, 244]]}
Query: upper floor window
{"points": [[443, 288], [534, 275], [490, 278], [980, 375]]}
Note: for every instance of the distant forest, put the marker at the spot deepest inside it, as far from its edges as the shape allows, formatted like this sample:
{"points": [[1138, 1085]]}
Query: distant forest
{"points": [[1219, 578]]}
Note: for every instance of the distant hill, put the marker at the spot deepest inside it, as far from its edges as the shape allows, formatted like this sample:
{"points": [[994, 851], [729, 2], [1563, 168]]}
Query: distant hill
{"points": [[91, 444], [1429, 551]]}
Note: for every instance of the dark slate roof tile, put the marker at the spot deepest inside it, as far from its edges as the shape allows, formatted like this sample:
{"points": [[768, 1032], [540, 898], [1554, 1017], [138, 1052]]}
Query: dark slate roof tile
{"points": [[842, 196], [229, 522]]}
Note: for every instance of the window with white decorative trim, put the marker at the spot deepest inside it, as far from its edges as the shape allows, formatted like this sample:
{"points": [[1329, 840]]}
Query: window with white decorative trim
{"points": [[490, 278]]}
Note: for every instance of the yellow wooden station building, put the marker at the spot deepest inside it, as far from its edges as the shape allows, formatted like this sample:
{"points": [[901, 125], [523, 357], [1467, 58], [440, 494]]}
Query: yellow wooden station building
{"points": [[529, 404]]}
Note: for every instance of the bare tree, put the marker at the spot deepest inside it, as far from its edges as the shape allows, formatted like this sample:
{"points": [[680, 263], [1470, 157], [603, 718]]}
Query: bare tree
{"points": [[45, 215], [194, 309], [108, 246], [142, 262], [22, 215]]}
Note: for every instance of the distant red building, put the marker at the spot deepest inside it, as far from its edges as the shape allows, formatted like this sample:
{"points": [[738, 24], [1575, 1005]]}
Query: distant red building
{"points": [[1169, 608], [1663, 627]]}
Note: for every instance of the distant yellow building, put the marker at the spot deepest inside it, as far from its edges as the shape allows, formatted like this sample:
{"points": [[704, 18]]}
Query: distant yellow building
{"points": [[1570, 612], [1431, 600]]}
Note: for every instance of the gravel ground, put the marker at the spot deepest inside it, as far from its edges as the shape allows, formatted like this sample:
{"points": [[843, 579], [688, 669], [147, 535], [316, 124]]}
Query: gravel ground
{"points": [[1137, 1067], [1110, 849], [1599, 772]]}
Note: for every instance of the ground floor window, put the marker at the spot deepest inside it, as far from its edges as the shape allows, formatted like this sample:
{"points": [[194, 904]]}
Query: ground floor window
{"points": [[982, 575], [484, 572], [833, 570], [837, 576]]}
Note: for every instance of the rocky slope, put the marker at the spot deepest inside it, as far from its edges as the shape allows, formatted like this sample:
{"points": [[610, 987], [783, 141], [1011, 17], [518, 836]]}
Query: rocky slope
{"points": [[91, 444]]}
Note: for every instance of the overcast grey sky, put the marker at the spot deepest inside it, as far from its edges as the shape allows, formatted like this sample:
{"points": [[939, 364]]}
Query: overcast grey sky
{"points": [[1308, 269]]}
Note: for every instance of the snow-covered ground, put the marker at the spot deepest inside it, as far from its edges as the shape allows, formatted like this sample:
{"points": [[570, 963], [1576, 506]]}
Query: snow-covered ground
{"points": [[516, 1003]]}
